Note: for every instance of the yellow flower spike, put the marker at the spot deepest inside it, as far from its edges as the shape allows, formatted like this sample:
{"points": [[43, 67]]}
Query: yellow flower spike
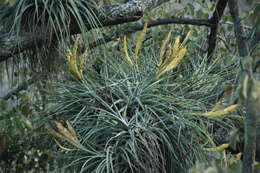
{"points": [[83, 59], [75, 46], [63, 133], [72, 59], [217, 106], [71, 129], [61, 128], [174, 52], [164, 50], [66, 133], [176, 45], [177, 53], [218, 148], [175, 61], [218, 113], [139, 44], [164, 45], [127, 57], [54, 133], [185, 39]]}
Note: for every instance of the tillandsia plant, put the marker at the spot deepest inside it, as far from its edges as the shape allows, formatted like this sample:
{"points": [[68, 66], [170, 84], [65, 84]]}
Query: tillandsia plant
{"points": [[56, 16], [132, 116], [54, 20]]}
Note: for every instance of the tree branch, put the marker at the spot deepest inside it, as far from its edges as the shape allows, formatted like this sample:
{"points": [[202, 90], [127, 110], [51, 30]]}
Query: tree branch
{"points": [[238, 29], [157, 22], [106, 39], [133, 10], [219, 10]]}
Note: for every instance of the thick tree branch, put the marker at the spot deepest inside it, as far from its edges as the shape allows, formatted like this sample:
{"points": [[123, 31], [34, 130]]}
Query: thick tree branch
{"points": [[12, 44], [238, 29], [251, 99], [133, 10], [219, 10]]}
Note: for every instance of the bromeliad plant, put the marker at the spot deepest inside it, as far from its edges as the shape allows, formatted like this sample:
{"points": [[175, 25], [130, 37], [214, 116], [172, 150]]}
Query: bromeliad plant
{"points": [[53, 19], [133, 116]]}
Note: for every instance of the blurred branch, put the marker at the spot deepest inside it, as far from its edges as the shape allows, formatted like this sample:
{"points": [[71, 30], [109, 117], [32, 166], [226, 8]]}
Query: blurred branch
{"points": [[219, 10], [23, 86], [249, 96], [257, 65]]}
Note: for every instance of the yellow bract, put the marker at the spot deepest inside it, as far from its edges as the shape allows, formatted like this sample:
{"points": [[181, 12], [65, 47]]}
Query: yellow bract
{"points": [[138, 46], [177, 53], [72, 56], [164, 47], [218, 148], [217, 106], [218, 113], [127, 57], [64, 133], [234, 158]]}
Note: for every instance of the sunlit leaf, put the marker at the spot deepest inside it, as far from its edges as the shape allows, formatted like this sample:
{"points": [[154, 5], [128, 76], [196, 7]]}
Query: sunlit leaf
{"points": [[218, 113], [139, 44], [127, 57], [218, 148]]}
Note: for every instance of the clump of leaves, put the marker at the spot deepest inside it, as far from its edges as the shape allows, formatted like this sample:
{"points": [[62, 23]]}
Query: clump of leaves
{"points": [[49, 16], [50, 21], [136, 116]]}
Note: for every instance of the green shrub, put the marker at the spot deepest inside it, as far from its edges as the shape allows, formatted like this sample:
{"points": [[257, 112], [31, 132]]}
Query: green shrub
{"points": [[24, 146]]}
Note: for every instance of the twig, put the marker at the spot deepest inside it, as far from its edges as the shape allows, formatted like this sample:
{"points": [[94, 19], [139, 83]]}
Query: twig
{"points": [[230, 23], [255, 38], [219, 10]]}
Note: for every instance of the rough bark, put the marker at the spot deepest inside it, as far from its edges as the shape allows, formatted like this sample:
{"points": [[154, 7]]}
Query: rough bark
{"points": [[238, 29], [219, 10], [133, 10], [250, 96]]}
